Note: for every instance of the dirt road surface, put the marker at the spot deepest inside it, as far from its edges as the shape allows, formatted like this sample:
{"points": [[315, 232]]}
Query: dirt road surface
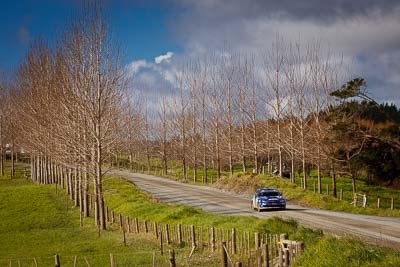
{"points": [[379, 230]]}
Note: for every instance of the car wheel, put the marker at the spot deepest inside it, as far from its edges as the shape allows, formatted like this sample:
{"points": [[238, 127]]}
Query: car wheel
{"points": [[258, 208]]}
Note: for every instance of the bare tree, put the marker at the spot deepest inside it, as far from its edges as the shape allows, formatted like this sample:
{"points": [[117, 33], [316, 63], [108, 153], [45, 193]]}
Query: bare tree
{"points": [[3, 99], [164, 125], [215, 113], [95, 82], [181, 106], [275, 94], [203, 92]]}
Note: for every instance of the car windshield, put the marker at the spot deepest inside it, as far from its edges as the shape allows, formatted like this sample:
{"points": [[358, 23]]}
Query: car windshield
{"points": [[269, 194]]}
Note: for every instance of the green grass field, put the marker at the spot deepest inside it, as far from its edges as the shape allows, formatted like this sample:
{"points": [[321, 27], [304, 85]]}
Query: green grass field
{"points": [[36, 223], [345, 184]]}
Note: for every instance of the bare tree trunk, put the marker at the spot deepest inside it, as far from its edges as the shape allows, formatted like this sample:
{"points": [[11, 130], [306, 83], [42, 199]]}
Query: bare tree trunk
{"points": [[333, 178], [1, 147], [86, 209], [217, 152], [242, 131], [242, 147], [319, 172], [12, 160], [1, 160], [164, 131], [280, 162], [303, 160], [194, 127], [80, 195], [76, 190], [230, 126], [204, 136], [183, 136], [96, 202], [204, 131]]}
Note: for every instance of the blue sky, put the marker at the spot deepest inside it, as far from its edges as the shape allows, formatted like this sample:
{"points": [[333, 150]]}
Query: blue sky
{"points": [[365, 33], [140, 28]]}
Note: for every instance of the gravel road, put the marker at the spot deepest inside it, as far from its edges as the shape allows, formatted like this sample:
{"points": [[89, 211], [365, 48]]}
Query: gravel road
{"points": [[379, 230]]}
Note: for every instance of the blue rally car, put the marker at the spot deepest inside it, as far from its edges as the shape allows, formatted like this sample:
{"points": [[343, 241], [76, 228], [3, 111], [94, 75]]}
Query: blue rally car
{"points": [[267, 198]]}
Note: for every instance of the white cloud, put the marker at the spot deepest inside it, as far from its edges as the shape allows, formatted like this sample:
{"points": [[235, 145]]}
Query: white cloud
{"points": [[153, 79], [167, 58], [139, 64]]}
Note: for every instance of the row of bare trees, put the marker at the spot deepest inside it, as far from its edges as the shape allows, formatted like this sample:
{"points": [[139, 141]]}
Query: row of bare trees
{"points": [[69, 109], [65, 107], [232, 109]]}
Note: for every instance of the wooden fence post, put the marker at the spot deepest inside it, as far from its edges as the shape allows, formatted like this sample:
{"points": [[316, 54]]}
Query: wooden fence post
{"points": [[120, 221], [282, 252], [57, 260], [379, 202], [341, 193], [265, 254], [172, 258], [201, 238], [167, 234], [233, 237], [161, 243], [392, 203], [257, 247], [212, 239], [248, 246], [193, 233], [137, 225], [112, 260], [256, 240], [280, 256], [224, 258], [364, 200], [286, 254], [179, 233], [156, 230], [129, 224], [123, 236]]}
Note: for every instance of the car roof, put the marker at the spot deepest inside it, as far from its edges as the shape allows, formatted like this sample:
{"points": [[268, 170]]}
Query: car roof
{"points": [[267, 189]]}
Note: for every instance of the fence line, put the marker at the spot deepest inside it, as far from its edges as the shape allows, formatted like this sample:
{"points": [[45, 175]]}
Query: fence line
{"points": [[241, 246], [357, 199]]}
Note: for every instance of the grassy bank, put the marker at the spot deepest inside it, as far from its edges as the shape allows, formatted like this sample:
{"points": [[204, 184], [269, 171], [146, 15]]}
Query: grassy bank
{"points": [[36, 223], [293, 193]]}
